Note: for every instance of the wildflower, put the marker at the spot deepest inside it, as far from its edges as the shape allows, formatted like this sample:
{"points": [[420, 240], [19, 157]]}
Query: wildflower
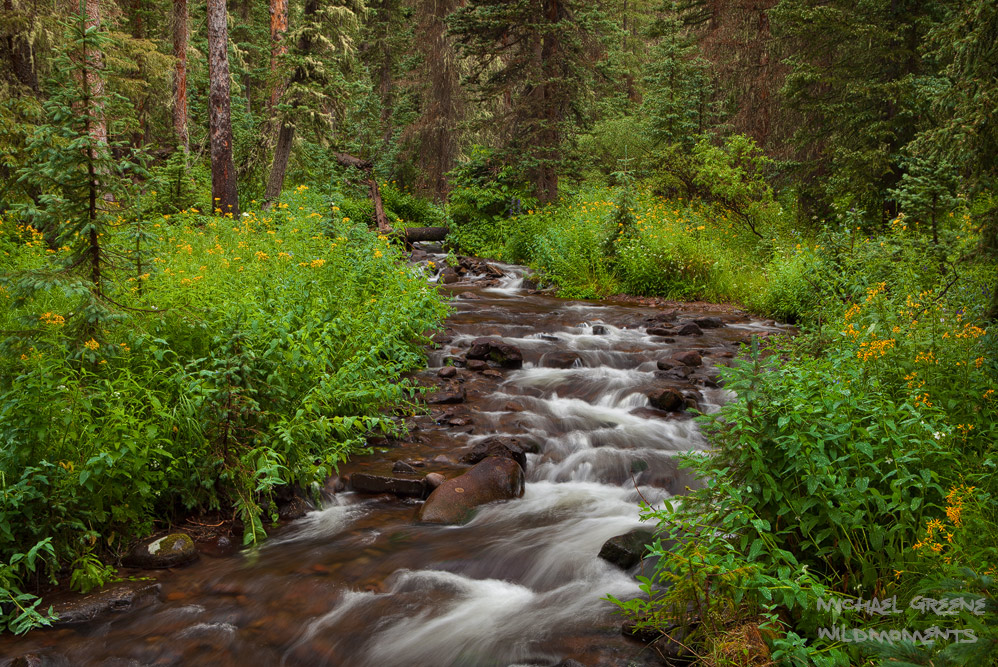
{"points": [[92, 345]]}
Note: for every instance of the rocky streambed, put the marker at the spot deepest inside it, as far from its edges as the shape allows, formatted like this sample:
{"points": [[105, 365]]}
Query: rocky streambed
{"points": [[476, 540]]}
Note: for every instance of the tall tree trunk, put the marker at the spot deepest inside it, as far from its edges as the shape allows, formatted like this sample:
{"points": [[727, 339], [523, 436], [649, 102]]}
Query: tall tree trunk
{"points": [[223, 171], [280, 165], [19, 54], [94, 67], [180, 37], [278, 47]]}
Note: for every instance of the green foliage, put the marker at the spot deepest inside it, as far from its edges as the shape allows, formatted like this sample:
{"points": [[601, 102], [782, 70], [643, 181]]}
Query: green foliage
{"points": [[19, 610], [247, 355]]}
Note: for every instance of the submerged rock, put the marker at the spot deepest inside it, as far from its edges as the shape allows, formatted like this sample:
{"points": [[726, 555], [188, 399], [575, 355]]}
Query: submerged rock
{"points": [[158, 553], [399, 486], [448, 396], [447, 372], [497, 351], [455, 500], [565, 359], [659, 331], [113, 598], [599, 330]]}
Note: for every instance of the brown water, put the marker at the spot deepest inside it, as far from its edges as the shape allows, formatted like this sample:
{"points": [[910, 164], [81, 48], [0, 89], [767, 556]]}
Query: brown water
{"points": [[360, 583]]}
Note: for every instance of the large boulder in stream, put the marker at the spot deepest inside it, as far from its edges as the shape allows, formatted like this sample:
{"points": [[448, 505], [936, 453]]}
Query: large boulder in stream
{"points": [[454, 501], [497, 351], [498, 445]]}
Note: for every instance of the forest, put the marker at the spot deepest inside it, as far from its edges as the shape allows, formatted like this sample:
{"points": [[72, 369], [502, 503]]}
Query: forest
{"points": [[206, 295]]}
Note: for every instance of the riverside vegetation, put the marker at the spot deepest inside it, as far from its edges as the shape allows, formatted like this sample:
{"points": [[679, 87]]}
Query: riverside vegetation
{"points": [[171, 345]]}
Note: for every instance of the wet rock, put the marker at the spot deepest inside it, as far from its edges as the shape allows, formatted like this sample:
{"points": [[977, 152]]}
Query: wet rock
{"points": [[709, 322], [171, 550], [447, 372], [434, 479], [114, 598], [625, 551], [477, 365], [403, 467], [530, 282], [663, 316], [399, 486], [675, 373], [458, 421], [218, 546], [668, 399], [418, 255], [497, 445], [564, 359], [688, 358], [659, 331], [599, 330], [689, 329], [448, 396], [665, 364], [294, 508], [468, 295], [569, 663], [28, 660], [669, 642], [448, 276], [454, 501], [492, 374], [549, 337], [497, 351]]}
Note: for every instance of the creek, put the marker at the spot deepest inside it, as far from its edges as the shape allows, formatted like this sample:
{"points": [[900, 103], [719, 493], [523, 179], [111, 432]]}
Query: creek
{"points": [[359, 582]]}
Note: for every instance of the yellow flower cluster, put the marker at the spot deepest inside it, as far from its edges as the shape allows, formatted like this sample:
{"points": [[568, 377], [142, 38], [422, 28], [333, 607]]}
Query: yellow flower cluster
{"points": [[52, 319], [874, 349], [92, 345]]}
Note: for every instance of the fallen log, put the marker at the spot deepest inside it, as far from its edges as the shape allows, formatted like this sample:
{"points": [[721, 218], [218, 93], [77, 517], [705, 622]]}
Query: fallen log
{"points": [[414, 234]]}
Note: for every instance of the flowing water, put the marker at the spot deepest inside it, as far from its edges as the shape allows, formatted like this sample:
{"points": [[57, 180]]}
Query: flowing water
{"points": [[359, 582]]}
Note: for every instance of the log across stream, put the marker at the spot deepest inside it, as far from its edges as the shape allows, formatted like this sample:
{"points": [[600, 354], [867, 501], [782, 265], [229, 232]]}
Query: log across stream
{"points": [[360, 582]]}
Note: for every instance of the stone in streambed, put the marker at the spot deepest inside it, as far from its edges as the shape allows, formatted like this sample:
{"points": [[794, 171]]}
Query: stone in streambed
{"points": [[449, 276], [599, 330], [563, 359], [447, 372], [400, 486], [497, 351], [445, 396], [689, 329], [688, 358], [709, 322], [455, 500], [403, 467], [500, 446], [625, 551], [434, 479], [659, 331], [665, 364], [117, 597], [668, 399], [477, 365], [158, 553]]}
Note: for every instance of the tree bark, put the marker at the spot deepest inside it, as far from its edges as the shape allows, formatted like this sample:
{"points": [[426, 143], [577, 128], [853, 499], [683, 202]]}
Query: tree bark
{"points": [[224, 190], [181, 35], [278, 47], [19, 54], [93, 68], [280, 165]]}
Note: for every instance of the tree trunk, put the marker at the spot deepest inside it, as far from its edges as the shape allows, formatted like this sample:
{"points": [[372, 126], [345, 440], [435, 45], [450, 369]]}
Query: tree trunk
{"points": [[380, 219], [280, 165], [278, 47], [19, 54], [223, 172], [180, 37], [94, 66]]}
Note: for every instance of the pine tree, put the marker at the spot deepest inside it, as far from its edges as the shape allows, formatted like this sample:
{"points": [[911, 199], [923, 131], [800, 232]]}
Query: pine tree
{"points": [[224, 190], [534, 60], [81, 181]]}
